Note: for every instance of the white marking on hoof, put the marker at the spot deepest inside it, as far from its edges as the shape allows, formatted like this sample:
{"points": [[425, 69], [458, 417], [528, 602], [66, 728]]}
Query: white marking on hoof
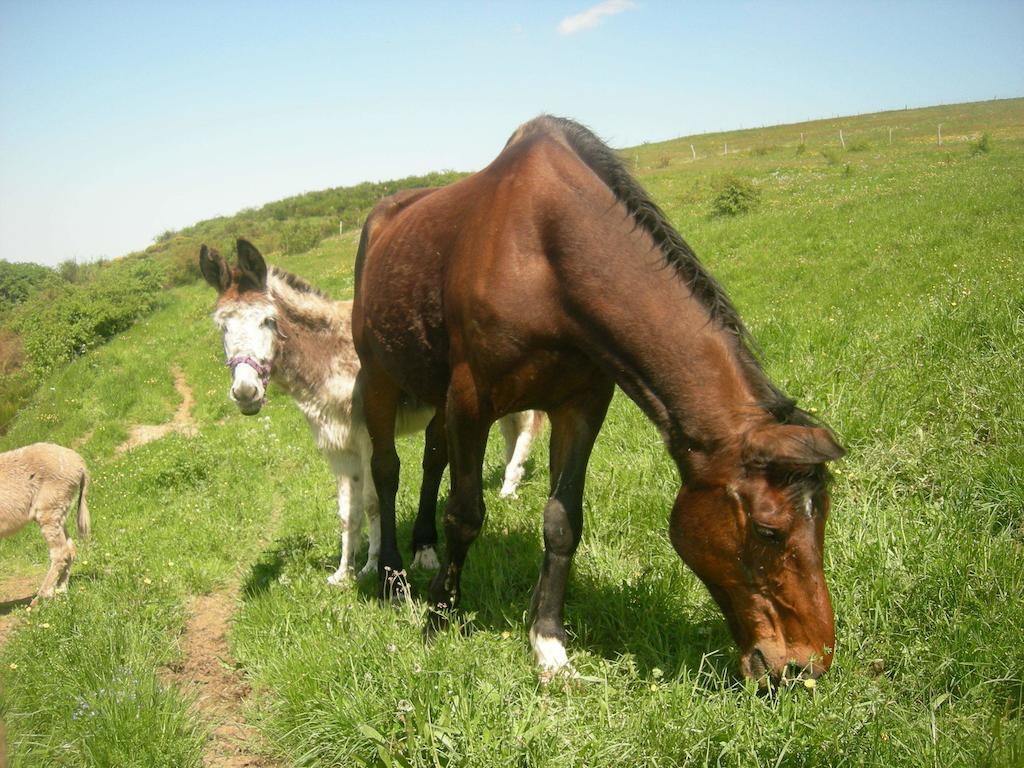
{"points": [[426, 559], [550, 656], [508, 491], [366, 570]]}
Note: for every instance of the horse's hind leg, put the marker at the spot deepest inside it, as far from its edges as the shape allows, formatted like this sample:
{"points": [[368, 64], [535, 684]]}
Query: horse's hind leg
{"points": [[435, 459], [347, 467], [518, 431], [467, 430], [574, 427]]}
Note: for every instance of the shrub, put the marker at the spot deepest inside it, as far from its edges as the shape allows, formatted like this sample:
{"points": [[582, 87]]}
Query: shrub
{"points": [[982, 145], [800, 149], [762, 151], [858, 146], [734, 196], [64, 321], [19, 281], [301, 236]]}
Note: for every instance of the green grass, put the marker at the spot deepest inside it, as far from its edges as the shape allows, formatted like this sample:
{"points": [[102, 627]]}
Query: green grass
{"points": [[890, 299]]}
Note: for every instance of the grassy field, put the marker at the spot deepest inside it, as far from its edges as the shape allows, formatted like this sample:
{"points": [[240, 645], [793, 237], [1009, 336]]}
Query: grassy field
{"points": [[884, 284]]}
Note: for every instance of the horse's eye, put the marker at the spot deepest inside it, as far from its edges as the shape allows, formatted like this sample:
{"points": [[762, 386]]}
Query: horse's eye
{"points": [[769, 534], [270, 323]]}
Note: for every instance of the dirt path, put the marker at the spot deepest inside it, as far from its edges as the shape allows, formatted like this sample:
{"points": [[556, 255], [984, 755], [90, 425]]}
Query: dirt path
{"points": [[208, 671], [182, 423]]}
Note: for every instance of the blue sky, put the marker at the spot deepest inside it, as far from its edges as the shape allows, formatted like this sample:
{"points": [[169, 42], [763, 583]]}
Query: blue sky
{"points": [[119, 120]]}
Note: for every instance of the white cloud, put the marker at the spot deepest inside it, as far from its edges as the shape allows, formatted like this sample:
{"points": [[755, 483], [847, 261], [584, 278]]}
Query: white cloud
{"points": [[593, 15]]}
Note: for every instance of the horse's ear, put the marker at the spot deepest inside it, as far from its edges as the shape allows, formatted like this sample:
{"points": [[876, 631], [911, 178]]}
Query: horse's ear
{"points": [[789, 445], [214, 269], [253, 267]]}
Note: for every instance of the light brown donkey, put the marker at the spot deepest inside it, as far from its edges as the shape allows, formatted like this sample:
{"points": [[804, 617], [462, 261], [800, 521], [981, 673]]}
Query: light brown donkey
{"points": [[39, 482]]}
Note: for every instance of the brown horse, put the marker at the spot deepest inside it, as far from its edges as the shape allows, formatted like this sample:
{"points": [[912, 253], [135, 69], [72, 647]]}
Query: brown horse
{"points": [[541, 282]]}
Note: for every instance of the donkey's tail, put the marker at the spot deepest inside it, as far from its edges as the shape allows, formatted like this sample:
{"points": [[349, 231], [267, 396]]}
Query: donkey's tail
{"points": [[82, 521]]}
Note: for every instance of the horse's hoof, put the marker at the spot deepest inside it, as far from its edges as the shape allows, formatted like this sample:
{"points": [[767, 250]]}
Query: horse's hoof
{"points": [[437, 622], [394, 587], [426, 558]]}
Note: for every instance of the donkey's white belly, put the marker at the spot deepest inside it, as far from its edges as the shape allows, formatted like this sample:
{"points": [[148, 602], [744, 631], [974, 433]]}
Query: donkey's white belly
{"points": [[411, 419]]}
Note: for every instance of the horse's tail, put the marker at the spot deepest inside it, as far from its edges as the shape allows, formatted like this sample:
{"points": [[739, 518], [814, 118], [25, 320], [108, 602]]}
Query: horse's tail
{"points": [[82, 520]]}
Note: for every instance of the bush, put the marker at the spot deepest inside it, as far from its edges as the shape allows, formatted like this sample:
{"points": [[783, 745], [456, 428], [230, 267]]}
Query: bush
{"points": [[831, 156], [734, 196], [64, 321], [858, 146], [982, 145], [800, 149], [19, 281], [762, 151], [301, 236]]}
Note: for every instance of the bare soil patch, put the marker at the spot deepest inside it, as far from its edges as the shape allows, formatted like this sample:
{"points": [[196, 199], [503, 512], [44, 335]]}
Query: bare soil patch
{"points": [[183, 423], [15, 591], [208, 671]]}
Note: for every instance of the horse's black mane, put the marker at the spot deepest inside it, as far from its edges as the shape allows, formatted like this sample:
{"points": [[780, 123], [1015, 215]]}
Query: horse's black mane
{"points": [[600, 158], [296, 283]]}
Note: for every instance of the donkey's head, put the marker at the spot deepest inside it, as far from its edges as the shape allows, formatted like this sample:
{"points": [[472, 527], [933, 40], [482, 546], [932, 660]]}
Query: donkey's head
{"points": [[756, 541], [246, 315]]}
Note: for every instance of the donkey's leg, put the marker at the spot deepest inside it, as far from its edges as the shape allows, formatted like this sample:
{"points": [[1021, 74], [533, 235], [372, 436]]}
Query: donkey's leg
{"points": [[518, 430], [380, 398], [467, 429], [347, 467], [371, 507], [574, 427], [62, 553], [435, 459]]}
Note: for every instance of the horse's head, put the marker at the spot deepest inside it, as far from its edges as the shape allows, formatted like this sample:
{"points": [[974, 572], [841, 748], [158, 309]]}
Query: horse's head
{"points": [[246, 316], [756, 540]]}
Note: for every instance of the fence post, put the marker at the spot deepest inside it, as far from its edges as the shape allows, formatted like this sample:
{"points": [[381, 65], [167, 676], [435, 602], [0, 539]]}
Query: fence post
{"points": [[890, 137], [693, 151], [841, 141], [940, 134]]}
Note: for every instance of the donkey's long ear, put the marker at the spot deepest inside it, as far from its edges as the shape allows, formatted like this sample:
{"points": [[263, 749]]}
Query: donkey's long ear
{"points": [[214, 269], [254, 268], [790, 446]]}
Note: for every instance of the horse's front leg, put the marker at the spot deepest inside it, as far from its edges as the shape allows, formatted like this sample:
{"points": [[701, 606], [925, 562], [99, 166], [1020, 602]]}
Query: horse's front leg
{"points": [[435, 459], [467, 427], [347, 467], [380, 399], [574, 427]]}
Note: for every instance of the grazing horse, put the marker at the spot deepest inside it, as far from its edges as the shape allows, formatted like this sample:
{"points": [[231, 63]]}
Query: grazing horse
{"points": [[277, 326], [39, 482], [541, 282]]}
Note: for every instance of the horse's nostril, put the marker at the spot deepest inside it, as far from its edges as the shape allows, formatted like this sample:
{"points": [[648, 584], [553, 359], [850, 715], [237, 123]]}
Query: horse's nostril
{"points": [[758, 664]]}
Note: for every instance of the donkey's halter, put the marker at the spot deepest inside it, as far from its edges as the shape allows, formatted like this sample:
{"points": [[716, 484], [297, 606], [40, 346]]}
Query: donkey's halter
{"points": [[263, 371]]}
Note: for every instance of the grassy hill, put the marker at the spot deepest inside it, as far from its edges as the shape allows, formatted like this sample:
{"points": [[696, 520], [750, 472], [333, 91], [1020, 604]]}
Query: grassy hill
{"points": [[883, 282]]}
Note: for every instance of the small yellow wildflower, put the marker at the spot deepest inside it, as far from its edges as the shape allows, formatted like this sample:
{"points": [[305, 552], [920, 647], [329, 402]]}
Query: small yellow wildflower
{"points": [[809, 683]]}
